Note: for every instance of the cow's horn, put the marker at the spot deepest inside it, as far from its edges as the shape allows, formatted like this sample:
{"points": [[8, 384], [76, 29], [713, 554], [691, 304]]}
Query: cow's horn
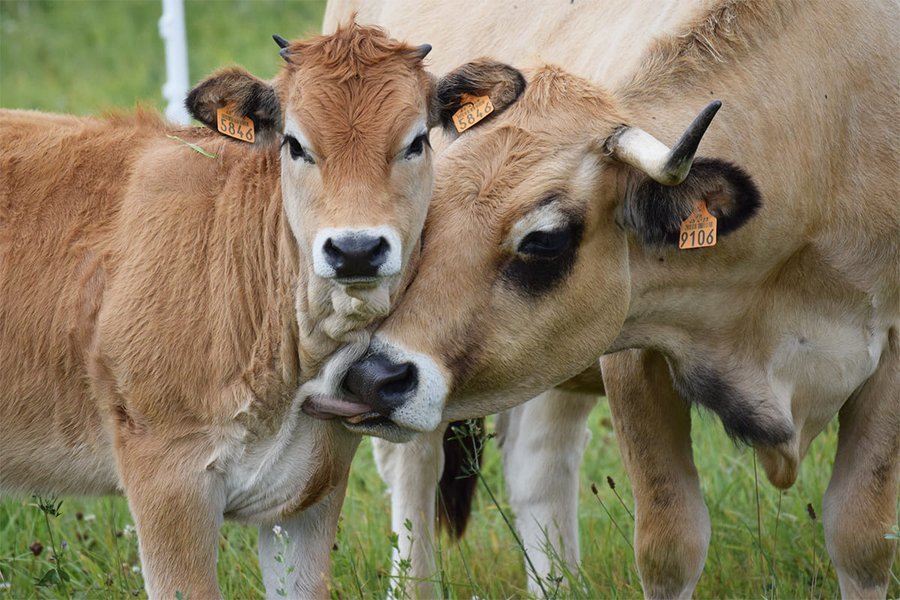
{"points": [[423, 50], [636, 147]]}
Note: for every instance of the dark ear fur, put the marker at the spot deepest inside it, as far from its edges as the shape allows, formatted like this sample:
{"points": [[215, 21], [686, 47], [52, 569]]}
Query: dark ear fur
{"points": [[482, 77], [655, 211], [250, 96]]}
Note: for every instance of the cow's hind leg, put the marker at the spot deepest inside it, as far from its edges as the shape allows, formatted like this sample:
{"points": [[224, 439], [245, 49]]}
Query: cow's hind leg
{"points": [[543, 442], [412, 471], [860, 504], [177, 505], [653, 429]]}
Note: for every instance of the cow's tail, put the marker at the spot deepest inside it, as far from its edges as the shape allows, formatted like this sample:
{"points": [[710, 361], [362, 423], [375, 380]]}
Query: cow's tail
{"points": [[463, 445]]}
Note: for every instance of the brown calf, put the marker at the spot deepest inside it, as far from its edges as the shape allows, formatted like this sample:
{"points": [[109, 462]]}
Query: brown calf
{"points": [[164, 292]]}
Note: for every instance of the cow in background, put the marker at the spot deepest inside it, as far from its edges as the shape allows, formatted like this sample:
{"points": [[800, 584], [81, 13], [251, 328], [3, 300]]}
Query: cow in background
{"points": [[779, 327]]}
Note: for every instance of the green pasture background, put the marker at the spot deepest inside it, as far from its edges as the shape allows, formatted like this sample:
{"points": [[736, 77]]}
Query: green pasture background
{"points": [[87, 57]]}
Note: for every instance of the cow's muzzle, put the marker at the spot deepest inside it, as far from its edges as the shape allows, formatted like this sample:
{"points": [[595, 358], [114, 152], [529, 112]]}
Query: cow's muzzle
{"points": [[382, 383]]}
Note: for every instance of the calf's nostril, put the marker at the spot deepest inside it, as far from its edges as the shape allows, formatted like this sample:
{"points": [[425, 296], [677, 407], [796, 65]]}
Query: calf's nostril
{"points": [[333, 253], [356, 255], [379, 253]]}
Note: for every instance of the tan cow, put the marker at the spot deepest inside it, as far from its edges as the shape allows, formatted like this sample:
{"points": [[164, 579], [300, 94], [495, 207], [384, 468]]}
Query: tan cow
{"points": [[165, 291], [562, 218]]}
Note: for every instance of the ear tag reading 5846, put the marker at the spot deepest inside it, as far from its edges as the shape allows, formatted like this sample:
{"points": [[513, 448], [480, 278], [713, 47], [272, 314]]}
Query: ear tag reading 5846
{"points": [[473, 109], [698, 230], [233, 125]]}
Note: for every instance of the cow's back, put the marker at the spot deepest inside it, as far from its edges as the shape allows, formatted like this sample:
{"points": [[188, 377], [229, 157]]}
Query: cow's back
{"points": [[61, 191]]}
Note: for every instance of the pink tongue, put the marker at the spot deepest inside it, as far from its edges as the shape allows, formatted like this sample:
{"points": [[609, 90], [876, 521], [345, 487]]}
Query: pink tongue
{"points": [[324, 407]]}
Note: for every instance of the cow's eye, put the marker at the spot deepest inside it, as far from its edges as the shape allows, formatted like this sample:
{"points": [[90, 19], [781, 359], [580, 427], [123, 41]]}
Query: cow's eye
{"points": [[546, 244], [297, 151], [417, 145], [544, 258]]}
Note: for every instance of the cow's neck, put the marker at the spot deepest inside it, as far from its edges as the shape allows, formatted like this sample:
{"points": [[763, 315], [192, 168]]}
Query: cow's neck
{"points": [[735, 320]]}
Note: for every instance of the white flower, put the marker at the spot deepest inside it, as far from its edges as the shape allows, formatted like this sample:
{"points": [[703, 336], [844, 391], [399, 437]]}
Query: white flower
{"points": [[277, 530], [128, 531], [90, 517], [135, 569]]}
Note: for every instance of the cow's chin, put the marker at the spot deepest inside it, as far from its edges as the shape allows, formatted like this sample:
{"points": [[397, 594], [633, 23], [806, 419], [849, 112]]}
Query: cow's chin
{"points": [[383, 428]]}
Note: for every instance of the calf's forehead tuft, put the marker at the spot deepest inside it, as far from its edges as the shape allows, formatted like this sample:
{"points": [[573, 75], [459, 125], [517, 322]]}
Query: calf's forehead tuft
{"points": [[353, 51]]}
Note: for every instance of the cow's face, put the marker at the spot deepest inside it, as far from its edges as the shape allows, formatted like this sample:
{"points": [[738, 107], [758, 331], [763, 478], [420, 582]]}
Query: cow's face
{"points": [[524, 274]]}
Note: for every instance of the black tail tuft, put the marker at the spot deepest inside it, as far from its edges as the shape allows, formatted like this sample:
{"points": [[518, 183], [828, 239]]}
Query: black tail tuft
{"points": [[463, 445]]}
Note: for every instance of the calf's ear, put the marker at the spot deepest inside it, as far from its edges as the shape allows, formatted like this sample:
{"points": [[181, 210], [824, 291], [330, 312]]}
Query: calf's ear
{"points": [[656, 211], [245, 95], [498, 81]]}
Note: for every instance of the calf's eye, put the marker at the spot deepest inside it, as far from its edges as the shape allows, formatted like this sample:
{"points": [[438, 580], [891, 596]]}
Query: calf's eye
{"points": [[417, 146], [297, 151]]}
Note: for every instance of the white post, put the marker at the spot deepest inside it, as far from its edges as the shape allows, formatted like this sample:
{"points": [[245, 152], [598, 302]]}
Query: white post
{"points": [[172, 31]]}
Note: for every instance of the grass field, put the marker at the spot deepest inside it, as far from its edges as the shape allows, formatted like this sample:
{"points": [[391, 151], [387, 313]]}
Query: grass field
{"points": [[87, 57]]}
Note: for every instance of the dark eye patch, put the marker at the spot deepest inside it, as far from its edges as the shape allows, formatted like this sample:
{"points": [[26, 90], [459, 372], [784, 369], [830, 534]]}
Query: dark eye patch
{"points": [[544, 258], [545, 244]]}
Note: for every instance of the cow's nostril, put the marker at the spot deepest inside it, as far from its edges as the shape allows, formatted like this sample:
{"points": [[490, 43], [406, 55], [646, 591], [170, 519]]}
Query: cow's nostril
{"points": [[399, 383], [382, 383]]}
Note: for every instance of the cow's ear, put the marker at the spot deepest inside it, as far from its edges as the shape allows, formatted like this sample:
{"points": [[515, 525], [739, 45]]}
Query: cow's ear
{"points": [[246, 96], [656, 211], [500, 82]]}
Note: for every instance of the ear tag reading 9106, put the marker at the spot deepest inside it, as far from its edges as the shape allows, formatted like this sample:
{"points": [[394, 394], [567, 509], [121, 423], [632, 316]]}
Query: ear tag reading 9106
{"points": [[233, 125], [473, 109], [698, 230]]}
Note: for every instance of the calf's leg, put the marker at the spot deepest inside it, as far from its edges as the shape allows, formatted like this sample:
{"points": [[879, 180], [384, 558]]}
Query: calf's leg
{"points": [[653, 429], [860, 503], [177, 505]]}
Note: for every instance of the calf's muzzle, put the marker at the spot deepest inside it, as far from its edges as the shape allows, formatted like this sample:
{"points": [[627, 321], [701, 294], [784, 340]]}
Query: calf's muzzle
{"points": [[356, 256]]}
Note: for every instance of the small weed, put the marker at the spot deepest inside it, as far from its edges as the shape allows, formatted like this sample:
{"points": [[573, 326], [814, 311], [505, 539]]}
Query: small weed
{"points": [[281, 558], [56, 576]]}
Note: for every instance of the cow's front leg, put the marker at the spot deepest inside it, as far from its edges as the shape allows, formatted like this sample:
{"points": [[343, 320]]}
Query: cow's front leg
{"points": [[543, 442], [653, 429], [860, 504], [177, 504], [412, 472], [295, 553]]}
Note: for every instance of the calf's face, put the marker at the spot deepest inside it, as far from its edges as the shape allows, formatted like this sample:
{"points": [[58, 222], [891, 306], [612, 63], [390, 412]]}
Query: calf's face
{"points": [[349, 115], [524, 275]]}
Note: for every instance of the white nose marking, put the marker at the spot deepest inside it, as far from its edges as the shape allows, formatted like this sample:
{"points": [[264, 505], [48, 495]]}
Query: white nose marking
{"points": [[349, 255]]}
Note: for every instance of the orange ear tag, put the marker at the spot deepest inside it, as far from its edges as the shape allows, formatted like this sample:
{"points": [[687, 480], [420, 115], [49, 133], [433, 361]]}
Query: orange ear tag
{"points": [[473, 109], [234, 125], [698, 230]]}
